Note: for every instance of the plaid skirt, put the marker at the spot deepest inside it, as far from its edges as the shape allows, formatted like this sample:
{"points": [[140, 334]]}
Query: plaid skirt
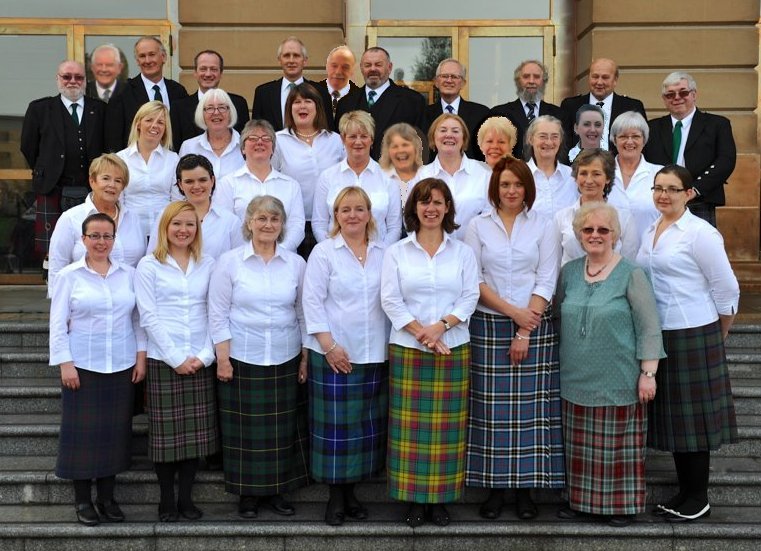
{"points": [[605, 458], [263, 416], [428, 418], [96, 426], [693, 408], [515, 435], [182, 413], [348, 421]]}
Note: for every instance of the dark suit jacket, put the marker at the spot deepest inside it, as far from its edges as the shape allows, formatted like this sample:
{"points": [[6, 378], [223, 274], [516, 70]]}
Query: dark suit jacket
{"points": [[183, 117], [267, 103], [709, 154], [396, 104], [123, 106], [42, 138], [517, 115], [474, 114], [92, 92], [327, 101], [621, 104]]}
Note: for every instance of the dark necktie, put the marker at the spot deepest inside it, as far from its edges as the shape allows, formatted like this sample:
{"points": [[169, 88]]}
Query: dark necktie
{"points": [[676, 141], [450, 109], [106, 95], [371, 98], [531, 111], [336, 96], [600, 104], [157, 93], [74, 115]]}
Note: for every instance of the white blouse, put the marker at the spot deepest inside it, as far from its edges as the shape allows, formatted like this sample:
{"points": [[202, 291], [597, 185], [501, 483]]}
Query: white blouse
{"points": [[404, 187], [228, 162], [690, 272], [172, 306], [236, 190], [554, 193], [640, 193], [383, 193], [342, 297], [469, 186], [257, 305], [304, 164], [518, 265], [93, 320], [415, 286]]}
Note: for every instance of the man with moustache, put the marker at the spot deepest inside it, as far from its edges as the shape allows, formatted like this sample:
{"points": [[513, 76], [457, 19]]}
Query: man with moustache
{"points": [[339, 68], [106, 66], [60, 136], [531, 78]]}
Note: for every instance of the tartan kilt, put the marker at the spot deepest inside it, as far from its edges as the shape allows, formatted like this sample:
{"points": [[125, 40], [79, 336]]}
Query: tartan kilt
{"points": [[182, 413], [96, 426], [515, 435], [693, 408], [47, 211], [428, 418], [263, 417], [605, 458], [348, 421]]}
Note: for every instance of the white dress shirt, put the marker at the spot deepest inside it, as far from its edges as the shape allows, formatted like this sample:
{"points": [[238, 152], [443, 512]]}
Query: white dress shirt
{"points": [[378, 91], [285, 89], [518, 265], [236, 190], [172, 306], [554, 193], [691, 275], [151, 92], [404, 187], [455, 105], [66, 244], [640, 193], [627, 244], [415, 286], [607, 111], [93, 320], [469, 186], [80, 106], [257, 305], [228, 162], [342, 297], [383, 193], [304, 164], [151, 185]]}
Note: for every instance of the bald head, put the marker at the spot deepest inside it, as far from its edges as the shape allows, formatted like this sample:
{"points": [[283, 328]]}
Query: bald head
{"points": [[603, 77], [340, 66]]}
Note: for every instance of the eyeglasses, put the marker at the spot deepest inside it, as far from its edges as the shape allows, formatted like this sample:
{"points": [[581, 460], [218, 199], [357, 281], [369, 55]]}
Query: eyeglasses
{"points": [[257, 139], [210, 109], [76, 78], [99, 236], [632, 137], [681, 93], [601, 231], [448, 76], [657, 190]]}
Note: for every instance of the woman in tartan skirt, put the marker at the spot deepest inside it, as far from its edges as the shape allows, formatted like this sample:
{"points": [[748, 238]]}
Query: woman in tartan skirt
{"points": [[171, 285], [514, 433], [429, 289], [697, 296], [348, 335]]}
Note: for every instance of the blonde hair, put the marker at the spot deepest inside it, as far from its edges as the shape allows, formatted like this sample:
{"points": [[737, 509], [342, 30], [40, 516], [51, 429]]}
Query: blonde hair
{"points": [[356, 119], [407, 133], [170, 212], [501, 125], [353, 191], [588, 209], [106, 161], [146, 110], [439, 121]]}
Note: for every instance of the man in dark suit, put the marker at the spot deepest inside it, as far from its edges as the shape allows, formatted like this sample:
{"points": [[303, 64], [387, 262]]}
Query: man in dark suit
{"points": [[450, 80], [385, 101], [699, 141], [531, 78], [209, 67], [106, 66], [270, 97], [59, 137], [150, 84], [603, 78], [339, 68]]}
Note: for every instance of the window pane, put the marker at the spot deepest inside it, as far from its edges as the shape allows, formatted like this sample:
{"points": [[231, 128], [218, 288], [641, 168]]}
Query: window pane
{"points": [[472, 9], [134, 9], [416, 58], [126, 45]]}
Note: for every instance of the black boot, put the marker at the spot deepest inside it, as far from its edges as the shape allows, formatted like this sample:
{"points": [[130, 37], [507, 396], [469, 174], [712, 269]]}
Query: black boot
{"points": [[167, 507]]}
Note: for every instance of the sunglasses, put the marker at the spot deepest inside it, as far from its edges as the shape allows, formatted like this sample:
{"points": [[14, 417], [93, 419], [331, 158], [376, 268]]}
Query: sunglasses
{"points": [[76, 78], [600, 231], [681, 93]]}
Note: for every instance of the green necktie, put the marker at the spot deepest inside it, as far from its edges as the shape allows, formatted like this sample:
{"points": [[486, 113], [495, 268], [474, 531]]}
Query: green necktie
{"points": [[676, 141], [74, 115], [157, 93], [371, 98]]}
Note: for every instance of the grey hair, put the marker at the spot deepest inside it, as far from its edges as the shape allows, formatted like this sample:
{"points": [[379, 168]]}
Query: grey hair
{"points": [[296, 39], [150, 38], [630, 120], [263, 203], [542, 66], [107, 48], [463, 69], [252, 125], [587, 209], [675, 78], [215, 94]]}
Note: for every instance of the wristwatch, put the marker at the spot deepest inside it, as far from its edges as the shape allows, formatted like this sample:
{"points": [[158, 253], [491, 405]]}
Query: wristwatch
{"points": [[648, 374], [447, 325]]}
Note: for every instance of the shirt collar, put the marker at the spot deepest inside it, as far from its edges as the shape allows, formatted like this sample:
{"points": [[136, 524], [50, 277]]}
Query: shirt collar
{"points": [[455, 105], [686, 121], [343, 91], [248, 251], [285, 83], [67, 104], [379, 90], [607, 100], [149, 84]]}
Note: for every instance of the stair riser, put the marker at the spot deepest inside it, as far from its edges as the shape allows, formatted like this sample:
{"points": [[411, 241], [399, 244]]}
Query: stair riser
{"points": [[30, 404], [28, 370], [24, 339], [41, 445]]}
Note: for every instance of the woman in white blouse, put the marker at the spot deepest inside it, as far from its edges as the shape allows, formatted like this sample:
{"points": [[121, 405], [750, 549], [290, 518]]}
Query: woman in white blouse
{"points": [[151, 164], [305, 148], [256, 324], [697, 295], [109, 177], [96, 339], [357, 129], [171, 286], [402, 157], [257, 177], [515, 372], [348, 336], [496, 139], [589, 127], [429, 289], [220, 142]]}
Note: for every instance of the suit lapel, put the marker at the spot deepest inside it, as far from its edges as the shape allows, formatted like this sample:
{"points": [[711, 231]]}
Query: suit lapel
{"points": [[89, 121], [56, 112], [696, 128], [139, 90], [667, 132]]}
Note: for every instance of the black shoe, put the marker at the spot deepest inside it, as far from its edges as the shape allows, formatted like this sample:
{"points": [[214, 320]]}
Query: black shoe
{"points": [[334, 512], [566, 513], [214, 462], [168, 513], [190, 512], [491, 509], [248, 507], [415, 515], [355, 510], [689, 511], [525, 508], [280, 506], [620, 521], [86, 514], [439, 515], [674, 503], [109, 511]]}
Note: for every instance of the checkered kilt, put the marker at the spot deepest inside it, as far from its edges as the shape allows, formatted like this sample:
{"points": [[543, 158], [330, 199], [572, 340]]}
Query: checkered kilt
{"points": [[693, 408], [96, 426], [605, 458], [47, 213], [348, 421], [182, 413], [515, 437], [263, 415], [428, 418]]}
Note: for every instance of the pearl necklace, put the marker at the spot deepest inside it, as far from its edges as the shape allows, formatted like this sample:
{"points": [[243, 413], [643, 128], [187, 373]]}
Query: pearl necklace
{"points": [[307, 136]]}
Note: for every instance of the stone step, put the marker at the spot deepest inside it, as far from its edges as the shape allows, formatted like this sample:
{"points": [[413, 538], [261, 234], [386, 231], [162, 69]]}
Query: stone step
{"points": [[744, 336], [26, 363]]}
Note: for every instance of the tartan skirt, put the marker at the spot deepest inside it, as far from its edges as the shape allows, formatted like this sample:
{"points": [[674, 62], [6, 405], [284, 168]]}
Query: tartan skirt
{"points": [[182, 413], [515, 435], [96, 426], [605, 458], [263, 416], [693, 408], [348, 421], [428, 418]]}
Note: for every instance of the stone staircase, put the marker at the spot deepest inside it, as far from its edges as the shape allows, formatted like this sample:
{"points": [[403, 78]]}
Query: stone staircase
{"points": [[36, 509]]}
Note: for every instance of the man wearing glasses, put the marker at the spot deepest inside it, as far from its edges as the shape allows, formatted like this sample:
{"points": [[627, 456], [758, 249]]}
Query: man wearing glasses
{"points": [[699, 141]]}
